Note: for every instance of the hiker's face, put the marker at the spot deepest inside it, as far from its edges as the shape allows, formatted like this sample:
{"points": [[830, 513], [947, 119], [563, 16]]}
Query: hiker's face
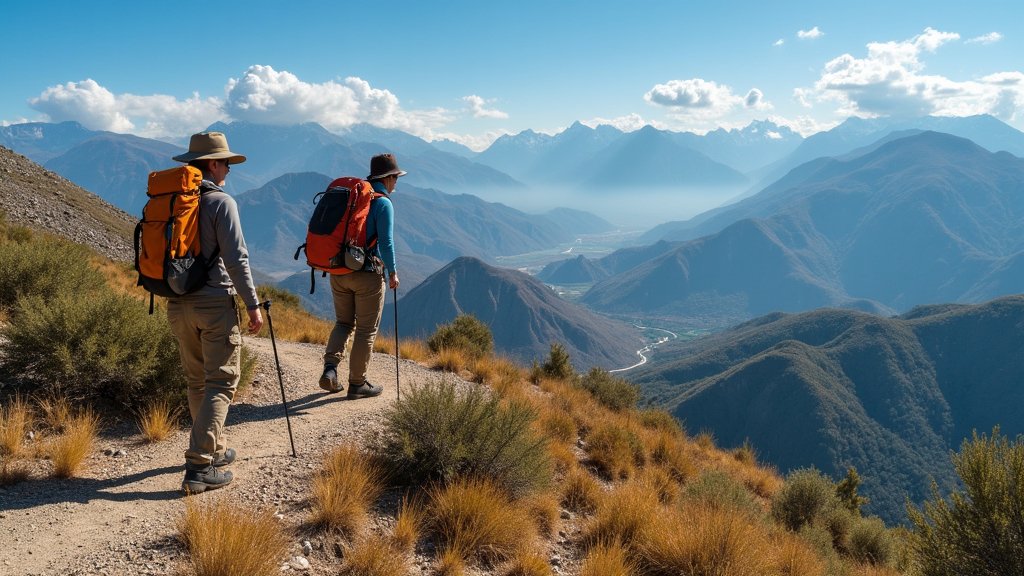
{"points": [[390, 183], [219, 170]]}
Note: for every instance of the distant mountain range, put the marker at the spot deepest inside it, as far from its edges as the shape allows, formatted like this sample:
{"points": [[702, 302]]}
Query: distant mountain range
{"points": [[834, 388], [524, 315], [924, 219]]}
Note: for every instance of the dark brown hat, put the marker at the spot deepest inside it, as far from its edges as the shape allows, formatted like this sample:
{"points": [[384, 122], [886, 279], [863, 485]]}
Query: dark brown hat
{"points": [[383, 165], [209, 146]]}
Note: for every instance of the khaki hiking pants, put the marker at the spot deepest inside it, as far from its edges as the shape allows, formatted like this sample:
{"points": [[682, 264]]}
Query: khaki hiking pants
{"points": [[358, 303], [209, 342]]}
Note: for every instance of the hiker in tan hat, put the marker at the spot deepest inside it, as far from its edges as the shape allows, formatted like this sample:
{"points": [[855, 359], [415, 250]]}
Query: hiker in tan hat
{"points": [[359, 296], [205, 322]]}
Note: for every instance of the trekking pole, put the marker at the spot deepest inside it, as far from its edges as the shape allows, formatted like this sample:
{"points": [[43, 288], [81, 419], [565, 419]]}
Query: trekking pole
{"points": [[398, 387], [280, 379]]}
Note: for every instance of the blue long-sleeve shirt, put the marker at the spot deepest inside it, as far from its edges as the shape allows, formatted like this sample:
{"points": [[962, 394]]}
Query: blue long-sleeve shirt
{"points": [[380, 224]]}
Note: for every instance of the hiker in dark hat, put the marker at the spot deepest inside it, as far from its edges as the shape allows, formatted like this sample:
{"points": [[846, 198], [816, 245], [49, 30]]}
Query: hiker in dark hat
{"points": [[359, 296], [205, 322]]}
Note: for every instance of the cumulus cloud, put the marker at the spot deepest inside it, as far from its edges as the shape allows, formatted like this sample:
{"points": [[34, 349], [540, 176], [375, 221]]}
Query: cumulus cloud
{"points": [[478, 106], [755, 100], [812, 34], [97, 108], [890, 80], [990, 38], [779, 42], [475, 142], [694, 96]]}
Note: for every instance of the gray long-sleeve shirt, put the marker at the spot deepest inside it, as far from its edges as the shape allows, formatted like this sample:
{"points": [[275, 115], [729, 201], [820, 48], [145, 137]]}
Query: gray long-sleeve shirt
{"points": [[221, 229]]}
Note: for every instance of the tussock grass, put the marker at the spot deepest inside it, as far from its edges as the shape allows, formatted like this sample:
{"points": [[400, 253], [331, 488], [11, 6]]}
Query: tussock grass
{"points": [[562, 456], [580, 491], [622, 515], [415, 350], [12, 471], [409, 524], [544, 510], [476, 519], [56, 412], [528, 564], [15, 422], [661, 421], [344, 489], [384, 344], [793, 556], [763, 481], [450, 360], [556, 423], [371, 557], [668, 451], [69, 450], [745, 454], [659, 480], [157, 420], [701, 540], [225, 540], [717, 489], [615, 448], [450, 562], [705, 440], [607, 559]]}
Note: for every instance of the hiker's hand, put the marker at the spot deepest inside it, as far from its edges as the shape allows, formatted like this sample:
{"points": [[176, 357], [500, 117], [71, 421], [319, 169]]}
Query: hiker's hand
{"points": [[393, 281], [255, 320]]}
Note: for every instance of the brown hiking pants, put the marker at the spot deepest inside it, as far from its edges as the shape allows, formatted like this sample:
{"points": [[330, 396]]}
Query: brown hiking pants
{"points": [[358, 303], [209, 343]]}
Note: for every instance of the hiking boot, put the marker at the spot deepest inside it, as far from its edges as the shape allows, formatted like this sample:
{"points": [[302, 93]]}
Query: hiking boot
{"points": [[329, 379], [202, 479], [364, 390], [224, 459]]}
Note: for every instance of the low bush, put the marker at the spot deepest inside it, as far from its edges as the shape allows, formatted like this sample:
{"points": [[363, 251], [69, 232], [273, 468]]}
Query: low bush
{"points": [[465, 333], [47, 267], [806, 494], [223, 540], [558, 366], [613, 393], [717, 489], [104, 346], [870, 542], [438, 432]]}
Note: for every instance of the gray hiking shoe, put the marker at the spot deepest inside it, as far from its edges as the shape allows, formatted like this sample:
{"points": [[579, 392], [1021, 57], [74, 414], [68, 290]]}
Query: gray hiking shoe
{"points": [[329, 379], [224, 459], [364, 390], [200, 480]]}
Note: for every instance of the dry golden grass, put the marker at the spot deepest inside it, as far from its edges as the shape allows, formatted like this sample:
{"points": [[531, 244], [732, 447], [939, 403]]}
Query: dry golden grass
{"points": [[483, 369], [702, 541], [615, 448], [120, 276], [415, 350], [384, 344], [408, 525], [622, 515], [473, 518], [15, 423], [368, 557], [580, 491], [450, 562], [661, 481], [563, 456], [56, 412], [763, 481], [344, 490], [871, 570], [544, 510], [69, 450], [13, 471], [450, 360], [792, 556], [502, 374], [296, 325], [157, 420], [606, 559], [745, 454], [528, 564], [705, 440], [224, 540], [668, 451], [555, 423]]}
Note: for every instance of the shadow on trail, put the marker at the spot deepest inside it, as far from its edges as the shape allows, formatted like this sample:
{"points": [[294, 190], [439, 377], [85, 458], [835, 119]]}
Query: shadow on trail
{"points": [[242, 413], [41, 492]]}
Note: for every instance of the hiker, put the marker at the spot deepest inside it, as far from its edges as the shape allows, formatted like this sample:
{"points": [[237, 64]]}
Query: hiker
{"points": [[205, 322], [359, 296]]}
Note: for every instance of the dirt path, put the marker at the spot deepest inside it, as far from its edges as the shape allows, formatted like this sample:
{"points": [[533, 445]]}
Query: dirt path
{"points": [[119, 517]]}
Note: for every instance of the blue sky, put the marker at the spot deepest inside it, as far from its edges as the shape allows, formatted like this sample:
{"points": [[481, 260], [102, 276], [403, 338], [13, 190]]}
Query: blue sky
{"points": [[471, 71]]}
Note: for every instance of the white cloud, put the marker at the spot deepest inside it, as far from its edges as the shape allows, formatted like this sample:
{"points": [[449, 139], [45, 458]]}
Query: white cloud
{"points": [[812, 34], [890, 81], [475, 142], [694, 97], [627, 123], [755, 100], [97, 108], [990, 38], [779, 42], [478, 106]]}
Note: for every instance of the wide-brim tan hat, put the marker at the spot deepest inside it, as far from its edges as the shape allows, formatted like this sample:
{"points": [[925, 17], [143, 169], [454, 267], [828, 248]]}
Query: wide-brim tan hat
{"points": [[209, 146], [384, 165]]}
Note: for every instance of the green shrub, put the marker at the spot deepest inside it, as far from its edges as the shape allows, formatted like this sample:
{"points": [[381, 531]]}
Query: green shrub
{"points": [[980, 530], [718, 489], [438, 432], [806, 494], [614, 393], [557, 366], [103, 346], [870, 542], [838, 521], [45, 266], [846, 491], [465, 333]]}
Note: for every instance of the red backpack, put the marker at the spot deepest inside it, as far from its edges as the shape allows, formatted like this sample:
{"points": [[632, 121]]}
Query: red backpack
{"points": [[336, 237]]}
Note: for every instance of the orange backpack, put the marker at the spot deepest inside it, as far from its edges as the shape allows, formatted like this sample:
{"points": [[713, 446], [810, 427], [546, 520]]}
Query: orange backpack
{"points": [[336, 237], [167, 252]]}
